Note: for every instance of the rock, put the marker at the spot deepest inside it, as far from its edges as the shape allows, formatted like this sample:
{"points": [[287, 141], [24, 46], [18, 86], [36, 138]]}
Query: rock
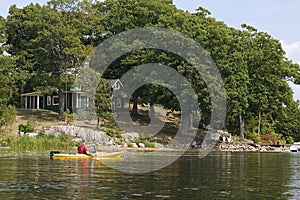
{"points": [[141, 145], [32, 134], [76, 140], [249, 147], [130, 137], [134, 145]]}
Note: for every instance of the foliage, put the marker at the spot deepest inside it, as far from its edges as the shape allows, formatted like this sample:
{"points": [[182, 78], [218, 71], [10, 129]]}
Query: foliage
{"points": [[129, 144], [7, 115], [137, 141], [118, 141], [289, 140], [41, 142], [48, 44], [113, 133], [25, 128], [69, 117], [102, 99], [110, 132], [149, 144], [255, 137]]}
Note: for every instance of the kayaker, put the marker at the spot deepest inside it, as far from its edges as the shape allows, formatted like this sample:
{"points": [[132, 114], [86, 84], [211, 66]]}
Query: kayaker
{"points": [[82, 149]]}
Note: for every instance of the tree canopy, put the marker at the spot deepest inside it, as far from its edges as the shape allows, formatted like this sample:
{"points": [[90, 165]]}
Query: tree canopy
{"points": [[44, 42]]}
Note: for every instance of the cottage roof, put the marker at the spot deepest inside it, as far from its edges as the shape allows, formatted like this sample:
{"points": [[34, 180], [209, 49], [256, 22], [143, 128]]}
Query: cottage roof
{"points": [[113, 82]]}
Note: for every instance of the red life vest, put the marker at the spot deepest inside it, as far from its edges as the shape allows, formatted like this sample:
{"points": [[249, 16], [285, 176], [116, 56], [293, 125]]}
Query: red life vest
{"points": [[82, 149]]}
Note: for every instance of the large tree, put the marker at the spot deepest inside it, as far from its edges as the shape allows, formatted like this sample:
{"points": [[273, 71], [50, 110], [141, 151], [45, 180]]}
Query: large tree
{"points": [[48, 46]]}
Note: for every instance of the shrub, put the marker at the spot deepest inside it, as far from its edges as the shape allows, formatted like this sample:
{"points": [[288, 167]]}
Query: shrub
{"points": [[118, 134], [69, 117], [265, 138], [137, 141], [110, 132], [7, 115], [289, 140], [118, 141], [25, 128], [255, 137], [113, 133], [149, 144], [129, 144], [276, 136]]}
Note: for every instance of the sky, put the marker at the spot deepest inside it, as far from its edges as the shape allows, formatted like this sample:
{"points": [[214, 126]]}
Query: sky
{"points": [[279, 18]]}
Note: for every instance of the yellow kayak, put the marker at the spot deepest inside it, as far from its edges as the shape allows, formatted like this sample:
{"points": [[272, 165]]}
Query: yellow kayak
{"points": [[98, 155]]}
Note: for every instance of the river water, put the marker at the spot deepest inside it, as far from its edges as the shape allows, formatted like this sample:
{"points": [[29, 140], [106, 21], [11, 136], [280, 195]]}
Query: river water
{"points": [[220, 175]]}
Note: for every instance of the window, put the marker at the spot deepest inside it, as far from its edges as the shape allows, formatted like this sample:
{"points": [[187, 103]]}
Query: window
{"points": [[118, 102], [48, 101], [117, 86], [55, 100]]}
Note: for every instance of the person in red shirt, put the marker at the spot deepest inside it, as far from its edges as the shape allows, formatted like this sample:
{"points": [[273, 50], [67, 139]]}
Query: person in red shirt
{"points": [[82, 149]]}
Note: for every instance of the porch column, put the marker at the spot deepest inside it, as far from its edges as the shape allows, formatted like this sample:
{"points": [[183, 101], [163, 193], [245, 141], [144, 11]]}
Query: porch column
{"points": [[33, 102], [30, 100], [26, 102], [38, 102], [77, 100]]}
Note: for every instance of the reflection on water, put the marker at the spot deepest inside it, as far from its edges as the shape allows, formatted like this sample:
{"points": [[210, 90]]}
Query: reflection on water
{"points": [[294, 185], [217, 176]]}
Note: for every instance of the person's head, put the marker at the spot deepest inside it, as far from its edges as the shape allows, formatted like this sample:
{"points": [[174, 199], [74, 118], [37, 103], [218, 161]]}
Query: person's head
{"points": [[83, 139]]}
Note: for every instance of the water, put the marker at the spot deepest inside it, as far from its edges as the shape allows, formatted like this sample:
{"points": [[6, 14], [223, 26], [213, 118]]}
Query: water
{"points": [[220, 175]]}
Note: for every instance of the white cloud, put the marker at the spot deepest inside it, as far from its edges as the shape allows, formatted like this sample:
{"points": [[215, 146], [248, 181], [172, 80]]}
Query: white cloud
{"points": [[292, 51]]}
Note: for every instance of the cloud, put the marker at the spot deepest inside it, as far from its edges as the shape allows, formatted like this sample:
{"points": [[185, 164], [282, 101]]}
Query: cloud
{"points": [[293, 52]]}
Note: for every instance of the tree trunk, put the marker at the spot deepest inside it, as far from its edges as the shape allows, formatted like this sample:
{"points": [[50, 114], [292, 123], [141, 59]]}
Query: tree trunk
{"points": [[61, 104], [259, 122], [22, 98], [135, 104], [242, 125], [98, 123], [152, 111]]}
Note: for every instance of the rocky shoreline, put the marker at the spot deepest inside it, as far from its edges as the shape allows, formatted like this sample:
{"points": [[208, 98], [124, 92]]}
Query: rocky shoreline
{"points": [[251, 147], [103, 140]]}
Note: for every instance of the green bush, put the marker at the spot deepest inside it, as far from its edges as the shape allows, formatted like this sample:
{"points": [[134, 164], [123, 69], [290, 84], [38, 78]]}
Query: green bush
{"points": [[289, 140], [137, 141], [255, 137], [118, 134], [7, 115], [110, 132], [118, 141], [129, 144], [276, 136], [69, 117], [25, 128], [149, 144], [113, 133]]}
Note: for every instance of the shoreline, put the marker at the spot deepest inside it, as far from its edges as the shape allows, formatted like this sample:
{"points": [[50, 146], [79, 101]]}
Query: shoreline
{"points": [[251, 147]]}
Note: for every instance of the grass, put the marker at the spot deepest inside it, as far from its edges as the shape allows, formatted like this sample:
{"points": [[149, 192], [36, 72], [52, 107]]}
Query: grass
{"points": [[40, 142], [37, 118], [42, 118]]}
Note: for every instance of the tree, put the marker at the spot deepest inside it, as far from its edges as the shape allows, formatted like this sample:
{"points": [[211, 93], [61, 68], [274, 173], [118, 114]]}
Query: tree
{"points": [[102, 100], [48, 46], [8, 90]]}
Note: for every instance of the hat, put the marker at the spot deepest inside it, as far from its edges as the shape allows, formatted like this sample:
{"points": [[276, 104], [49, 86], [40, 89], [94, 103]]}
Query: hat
{"points": [[83, 139]]}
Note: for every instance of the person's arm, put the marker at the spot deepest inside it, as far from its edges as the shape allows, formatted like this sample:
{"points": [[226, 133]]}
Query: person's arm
{"points": [[86, 150]]}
